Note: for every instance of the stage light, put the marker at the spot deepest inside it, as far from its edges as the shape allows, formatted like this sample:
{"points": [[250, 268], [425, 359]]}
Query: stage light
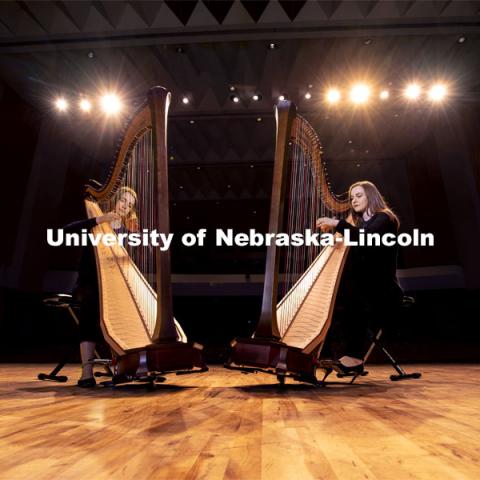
{"points": [[259, 119], [85, 105], [110, 104], [461, 39], [437, 93], [234, 98], [272, 46], [61, 104], [333, 96], [359, 93], [384, 94], [412, 91], [281, 98], [257, 97], [308, 95], [185, 100], [232, 88]]}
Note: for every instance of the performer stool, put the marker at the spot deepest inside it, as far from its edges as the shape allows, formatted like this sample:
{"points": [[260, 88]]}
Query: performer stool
{"points": [[407, 302], [65, 301]]}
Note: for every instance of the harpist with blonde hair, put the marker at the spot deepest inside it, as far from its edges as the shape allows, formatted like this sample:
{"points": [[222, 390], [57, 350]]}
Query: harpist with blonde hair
{"points": [[122, 218]]}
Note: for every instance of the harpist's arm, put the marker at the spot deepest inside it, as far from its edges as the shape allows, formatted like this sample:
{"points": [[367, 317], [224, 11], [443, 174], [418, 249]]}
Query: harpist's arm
{"points": [[77, 227], [380, 224]]}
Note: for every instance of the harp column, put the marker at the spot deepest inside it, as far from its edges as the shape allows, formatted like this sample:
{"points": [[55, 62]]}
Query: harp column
{"points": [[267, 326], [159, 100]]}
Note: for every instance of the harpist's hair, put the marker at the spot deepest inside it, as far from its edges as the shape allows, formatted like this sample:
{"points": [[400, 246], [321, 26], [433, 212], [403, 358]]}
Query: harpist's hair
{"points": [[376, 203], [130, 221]]}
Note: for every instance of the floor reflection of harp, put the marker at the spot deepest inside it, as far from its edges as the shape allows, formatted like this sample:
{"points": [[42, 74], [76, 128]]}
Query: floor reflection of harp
{"points": [[291, 333], [134, 281]]}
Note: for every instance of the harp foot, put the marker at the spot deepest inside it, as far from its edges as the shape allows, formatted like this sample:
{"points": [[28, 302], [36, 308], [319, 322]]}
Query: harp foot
{"points": [[405, 376]]}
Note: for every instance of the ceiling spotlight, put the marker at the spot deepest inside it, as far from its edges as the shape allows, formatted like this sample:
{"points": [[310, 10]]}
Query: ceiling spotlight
{"points": [[259, 119], [462, 39], [180, 50], [310, 85], [91, 54], [257, 97], [185, 100], [61, 104], [412, 91], [368, 41], [232, 88], [308, 95], [282, 98], [437, 93], [85, 105], [192, 122], [359, 93], [272, 46], [110, 104], [234, 98], [384, 94], [332, 96]]}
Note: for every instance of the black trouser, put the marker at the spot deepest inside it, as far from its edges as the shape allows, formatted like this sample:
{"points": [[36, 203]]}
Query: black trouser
{"points": [[357, 315], [88, 313]]}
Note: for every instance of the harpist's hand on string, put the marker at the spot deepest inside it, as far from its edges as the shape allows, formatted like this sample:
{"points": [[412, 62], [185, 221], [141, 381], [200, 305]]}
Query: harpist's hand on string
{"points": [[325, 224], [109, 217]]}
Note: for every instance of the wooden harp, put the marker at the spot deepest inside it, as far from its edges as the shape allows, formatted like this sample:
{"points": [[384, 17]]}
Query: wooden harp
{"points": [[300, 283], [134, 281]]}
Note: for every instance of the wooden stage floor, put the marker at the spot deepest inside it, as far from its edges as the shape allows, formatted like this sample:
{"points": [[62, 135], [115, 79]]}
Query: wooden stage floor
{"points": [[224, 424]]}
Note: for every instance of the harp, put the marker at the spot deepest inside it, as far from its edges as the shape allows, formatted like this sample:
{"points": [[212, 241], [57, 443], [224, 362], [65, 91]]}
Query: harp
{"points": [[291, 332], [134, 281]]}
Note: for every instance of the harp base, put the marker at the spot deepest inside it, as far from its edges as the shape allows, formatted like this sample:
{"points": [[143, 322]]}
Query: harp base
{"points": [[276, 358], [150, 363]]}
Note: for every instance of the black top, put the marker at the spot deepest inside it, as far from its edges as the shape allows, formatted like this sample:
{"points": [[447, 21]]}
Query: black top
{"points": [[370, 272], [87, 269]]}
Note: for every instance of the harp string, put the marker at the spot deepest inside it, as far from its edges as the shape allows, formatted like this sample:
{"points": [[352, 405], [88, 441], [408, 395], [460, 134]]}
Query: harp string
{"points": [[308, 198], [138, 262]]}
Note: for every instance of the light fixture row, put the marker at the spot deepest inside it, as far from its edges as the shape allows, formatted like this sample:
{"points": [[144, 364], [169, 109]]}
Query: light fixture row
{"points": [[361, 93], [109, 103]]}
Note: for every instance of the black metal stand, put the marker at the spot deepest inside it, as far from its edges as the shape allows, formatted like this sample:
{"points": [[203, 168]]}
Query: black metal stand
{"points": [[407, 302], [65, 301]]}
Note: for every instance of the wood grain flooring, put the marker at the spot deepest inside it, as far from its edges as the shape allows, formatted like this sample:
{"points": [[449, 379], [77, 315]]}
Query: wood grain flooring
{"points": [[224, 424]]}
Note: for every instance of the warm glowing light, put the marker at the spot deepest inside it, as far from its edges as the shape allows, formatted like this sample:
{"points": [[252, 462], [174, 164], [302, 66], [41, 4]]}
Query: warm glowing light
{"points": [[359, 93], [384, 94], [257, 97], [185, 100], [333, 95], [281, 97], [308, 95], [235, 99], [61, 104], [412, 91], [85, 105], [437, 93], [110, 104]]}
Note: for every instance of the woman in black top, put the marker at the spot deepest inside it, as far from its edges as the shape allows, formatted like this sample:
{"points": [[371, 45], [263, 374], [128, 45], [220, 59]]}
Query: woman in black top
{"points": [[369, 291], [122, 219]]}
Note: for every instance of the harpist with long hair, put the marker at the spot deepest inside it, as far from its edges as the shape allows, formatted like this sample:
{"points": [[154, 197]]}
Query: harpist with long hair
{"points": [[369, 291], [122, 218]]}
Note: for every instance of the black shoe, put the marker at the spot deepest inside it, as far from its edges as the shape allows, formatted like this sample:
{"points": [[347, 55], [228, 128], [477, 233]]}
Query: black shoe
{"points": [[341, 368], [87, 383]]}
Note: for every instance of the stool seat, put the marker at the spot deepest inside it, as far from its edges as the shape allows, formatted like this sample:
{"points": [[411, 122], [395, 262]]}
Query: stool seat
{"points": [[60, 300]]}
